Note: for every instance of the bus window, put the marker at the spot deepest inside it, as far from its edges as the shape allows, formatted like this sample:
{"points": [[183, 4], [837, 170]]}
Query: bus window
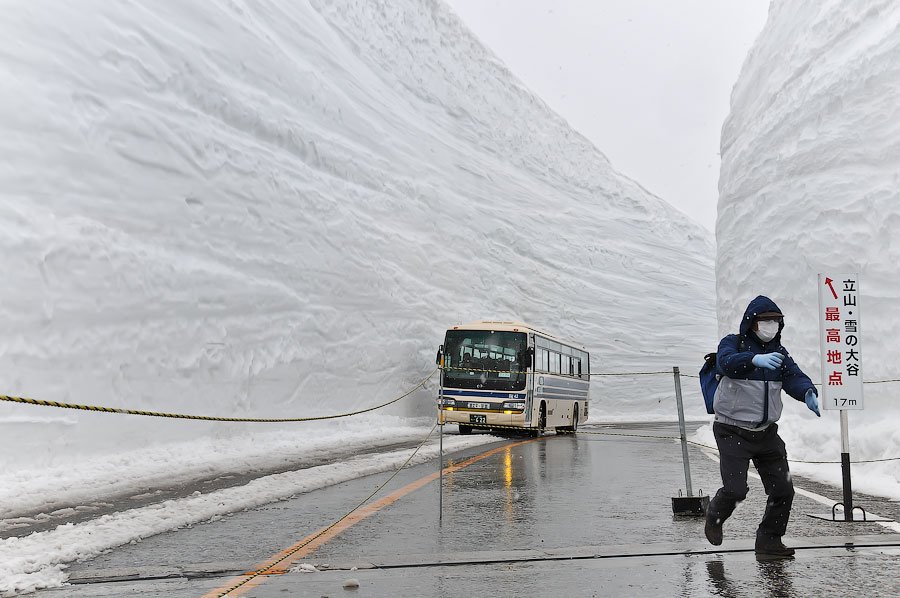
{"points": [[554, 363], [578, 367], [544, 360]]}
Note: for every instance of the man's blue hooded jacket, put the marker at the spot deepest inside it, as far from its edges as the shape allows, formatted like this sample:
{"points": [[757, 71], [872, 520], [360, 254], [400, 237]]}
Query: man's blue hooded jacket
{"points": [[749, 396]]}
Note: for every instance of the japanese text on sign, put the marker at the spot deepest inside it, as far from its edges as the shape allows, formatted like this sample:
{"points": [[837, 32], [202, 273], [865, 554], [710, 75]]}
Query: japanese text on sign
{"points": [[839, 340]]}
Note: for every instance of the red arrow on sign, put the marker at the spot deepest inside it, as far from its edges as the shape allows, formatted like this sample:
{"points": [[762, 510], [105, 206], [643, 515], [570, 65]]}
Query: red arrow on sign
{"points": [[828, 282]]}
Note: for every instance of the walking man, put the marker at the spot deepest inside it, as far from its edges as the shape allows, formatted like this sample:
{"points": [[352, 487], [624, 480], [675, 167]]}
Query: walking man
{"points": [[755, 367]]}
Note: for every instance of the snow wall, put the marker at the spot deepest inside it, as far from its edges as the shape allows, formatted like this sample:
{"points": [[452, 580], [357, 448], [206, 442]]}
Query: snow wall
{"points": [[809, 184], [275, 209]]}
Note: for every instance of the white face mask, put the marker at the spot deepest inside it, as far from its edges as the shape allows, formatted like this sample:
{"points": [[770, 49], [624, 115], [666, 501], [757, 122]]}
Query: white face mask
{"points": [[767, 329]]}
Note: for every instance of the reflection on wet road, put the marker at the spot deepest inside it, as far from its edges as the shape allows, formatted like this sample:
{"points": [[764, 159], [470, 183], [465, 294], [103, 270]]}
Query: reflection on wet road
{"points": [[585, 515]]}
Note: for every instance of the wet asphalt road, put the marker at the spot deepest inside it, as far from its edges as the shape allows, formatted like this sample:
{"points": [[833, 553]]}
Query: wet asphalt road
{"points": [[585, 515]]}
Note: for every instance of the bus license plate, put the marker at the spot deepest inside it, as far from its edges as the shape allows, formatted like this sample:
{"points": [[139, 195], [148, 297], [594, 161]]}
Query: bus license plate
{"points": [[477, 419]]}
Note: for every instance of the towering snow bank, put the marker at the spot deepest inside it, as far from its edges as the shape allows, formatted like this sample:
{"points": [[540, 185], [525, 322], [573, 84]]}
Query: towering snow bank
{"points": [[809, 183], [275, 208]]}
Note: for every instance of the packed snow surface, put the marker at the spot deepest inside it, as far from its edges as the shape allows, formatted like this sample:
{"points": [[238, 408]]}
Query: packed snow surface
{"points": [[809, 184], [275, 209]]}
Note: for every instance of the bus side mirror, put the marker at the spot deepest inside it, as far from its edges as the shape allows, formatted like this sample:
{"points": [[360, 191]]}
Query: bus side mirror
{"points": [[439, 358], [526, 357]]}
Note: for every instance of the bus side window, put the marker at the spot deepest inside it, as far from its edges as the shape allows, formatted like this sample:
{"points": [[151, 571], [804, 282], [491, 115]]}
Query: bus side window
{"points": [[543, 360], [578, 368]]}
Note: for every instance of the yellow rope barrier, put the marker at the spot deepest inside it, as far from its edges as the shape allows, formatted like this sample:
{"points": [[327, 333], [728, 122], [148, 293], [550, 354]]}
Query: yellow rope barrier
{"points": [[101, 409], [98, 409]]}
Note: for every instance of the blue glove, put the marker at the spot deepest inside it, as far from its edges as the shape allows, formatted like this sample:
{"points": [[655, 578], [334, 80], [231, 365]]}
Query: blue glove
{"points": [[770, 361], [812, 402]]}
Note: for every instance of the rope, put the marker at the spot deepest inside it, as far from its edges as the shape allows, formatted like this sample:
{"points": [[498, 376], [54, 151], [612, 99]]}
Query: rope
{"points": [[669, 373], [816, 383], [655, 437], [803, 461], [295, 549], [658, 373], [713, 448], [26, 401], [630, 435], [556, 374], [102, 409]]}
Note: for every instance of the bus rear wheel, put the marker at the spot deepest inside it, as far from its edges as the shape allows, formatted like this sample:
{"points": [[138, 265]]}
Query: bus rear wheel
{"points": [[464, 430], [574, 427], [542, 422]]}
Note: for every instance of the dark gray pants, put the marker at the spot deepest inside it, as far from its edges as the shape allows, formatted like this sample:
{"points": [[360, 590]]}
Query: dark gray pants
{"points": [[737, 447]]}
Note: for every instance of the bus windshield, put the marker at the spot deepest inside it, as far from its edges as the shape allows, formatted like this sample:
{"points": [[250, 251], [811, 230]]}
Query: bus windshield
{"points": [[484, 359]]}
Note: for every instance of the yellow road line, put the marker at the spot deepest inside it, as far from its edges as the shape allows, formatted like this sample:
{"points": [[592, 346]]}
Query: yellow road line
{"points": [[279, 563]]}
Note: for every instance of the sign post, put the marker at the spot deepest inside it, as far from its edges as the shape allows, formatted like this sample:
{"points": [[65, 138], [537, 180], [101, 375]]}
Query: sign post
{"points": [[441, 451], [841, 354], [690, 504]]}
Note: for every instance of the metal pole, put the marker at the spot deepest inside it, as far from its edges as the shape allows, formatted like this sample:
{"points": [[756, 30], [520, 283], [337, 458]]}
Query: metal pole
{"points": [[684, 449], [845, 467]]}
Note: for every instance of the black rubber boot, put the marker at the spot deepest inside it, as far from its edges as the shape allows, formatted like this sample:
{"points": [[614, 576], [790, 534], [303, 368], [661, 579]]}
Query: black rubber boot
{"points": [[713, 530], [772, 547]]}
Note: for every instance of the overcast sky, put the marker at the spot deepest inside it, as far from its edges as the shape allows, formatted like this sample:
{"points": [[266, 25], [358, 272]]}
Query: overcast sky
{"points": [[648, 81]]}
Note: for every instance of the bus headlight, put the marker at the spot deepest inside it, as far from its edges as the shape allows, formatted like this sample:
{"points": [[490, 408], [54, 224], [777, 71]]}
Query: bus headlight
{"points": [[513, 406], [447, 402]]}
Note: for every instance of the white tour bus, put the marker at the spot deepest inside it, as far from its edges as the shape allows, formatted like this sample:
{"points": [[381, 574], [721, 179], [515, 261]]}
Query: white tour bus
{"points": [[502, 375]]}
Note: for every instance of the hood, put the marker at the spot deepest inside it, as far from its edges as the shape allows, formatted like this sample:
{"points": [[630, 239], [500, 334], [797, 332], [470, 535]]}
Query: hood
{"points": [[760, 305]]}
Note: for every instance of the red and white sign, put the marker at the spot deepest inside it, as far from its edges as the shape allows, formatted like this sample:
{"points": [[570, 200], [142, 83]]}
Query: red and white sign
{"points": [[840, 342]]}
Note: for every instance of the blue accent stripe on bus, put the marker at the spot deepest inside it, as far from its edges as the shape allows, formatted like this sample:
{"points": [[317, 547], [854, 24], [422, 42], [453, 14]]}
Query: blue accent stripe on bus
{"points": [[483, 393], [563, 397], [563, 389], [559, 381], [560, 391]]}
